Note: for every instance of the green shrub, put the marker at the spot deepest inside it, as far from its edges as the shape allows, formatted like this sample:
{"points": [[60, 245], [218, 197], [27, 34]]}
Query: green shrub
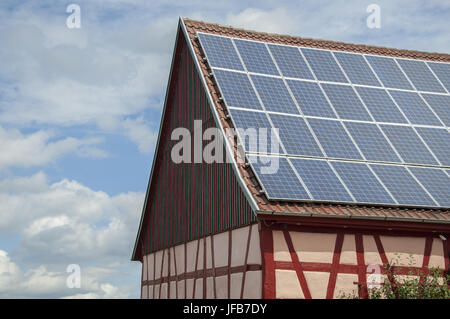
{"points": [[418, 284]]}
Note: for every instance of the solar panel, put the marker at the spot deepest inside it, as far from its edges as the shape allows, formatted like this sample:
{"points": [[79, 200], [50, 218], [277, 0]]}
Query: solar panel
{"points": [[274, 94], [332, 136], [311, 99], [408, 144], [357, 69], [362, 183], [323, 65], [388, 72], [220, 52], [436, 182], [295, 135], [438, 140], [380, 105], [278, 178], [290, 62], [256, 57], [442, 71], [371, 142], [334, 139], [346, 102], [402, 185], [254, 139], [414, 108], [441, 106], [321, 181], [420, 75], [237, 89]]}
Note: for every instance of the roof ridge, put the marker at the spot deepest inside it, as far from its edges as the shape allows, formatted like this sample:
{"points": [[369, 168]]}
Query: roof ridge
{"points": [[216, 28]]}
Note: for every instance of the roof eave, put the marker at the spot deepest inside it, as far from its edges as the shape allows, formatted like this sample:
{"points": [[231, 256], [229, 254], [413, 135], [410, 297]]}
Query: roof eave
{"points": [[350, 216]]}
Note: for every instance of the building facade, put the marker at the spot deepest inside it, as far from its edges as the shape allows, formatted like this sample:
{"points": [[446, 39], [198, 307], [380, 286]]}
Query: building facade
{"points": [[209, 231]]}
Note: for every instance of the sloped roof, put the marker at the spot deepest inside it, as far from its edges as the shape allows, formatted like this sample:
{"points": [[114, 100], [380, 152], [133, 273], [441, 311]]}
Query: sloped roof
{"points": [[298, 208], [194, 26]]}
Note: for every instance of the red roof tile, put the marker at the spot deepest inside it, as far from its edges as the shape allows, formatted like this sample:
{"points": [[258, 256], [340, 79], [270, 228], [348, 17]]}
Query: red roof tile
{"points": [[194, 26]]}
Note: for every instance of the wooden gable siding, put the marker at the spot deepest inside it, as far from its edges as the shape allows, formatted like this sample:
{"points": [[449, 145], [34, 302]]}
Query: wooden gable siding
{"points": [[189, 200]]}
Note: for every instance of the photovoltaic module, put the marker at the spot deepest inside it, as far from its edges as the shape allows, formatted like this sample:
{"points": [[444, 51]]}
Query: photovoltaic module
{"points": [[352, 128]]}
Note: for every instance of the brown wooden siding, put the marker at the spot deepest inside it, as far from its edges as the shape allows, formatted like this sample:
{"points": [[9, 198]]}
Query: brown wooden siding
{"points": [[187, 201]]}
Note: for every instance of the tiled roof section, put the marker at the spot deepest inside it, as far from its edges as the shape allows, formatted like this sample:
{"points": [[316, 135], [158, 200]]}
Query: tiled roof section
{"points": [[301, 208], [194, 26]]}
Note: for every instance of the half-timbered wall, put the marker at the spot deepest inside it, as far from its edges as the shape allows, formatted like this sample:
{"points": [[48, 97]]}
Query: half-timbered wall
{"points": [[301, 263], [223, 265], [187, 201]]}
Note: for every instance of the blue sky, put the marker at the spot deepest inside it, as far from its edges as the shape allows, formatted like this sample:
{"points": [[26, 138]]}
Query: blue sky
{"points": [[80, 112]]}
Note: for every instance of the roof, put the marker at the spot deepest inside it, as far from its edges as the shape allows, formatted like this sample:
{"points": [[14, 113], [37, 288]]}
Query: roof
{"points": [[266, 206], [194, 26]]}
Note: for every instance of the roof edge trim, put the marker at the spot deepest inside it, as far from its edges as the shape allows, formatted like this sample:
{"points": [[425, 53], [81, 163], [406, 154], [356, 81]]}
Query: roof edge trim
{"points": [[349, 216], [228, 149], [144, 208]]}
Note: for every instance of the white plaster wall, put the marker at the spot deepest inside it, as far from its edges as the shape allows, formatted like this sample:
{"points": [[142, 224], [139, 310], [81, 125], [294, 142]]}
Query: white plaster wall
{"points": [[159, 261]]}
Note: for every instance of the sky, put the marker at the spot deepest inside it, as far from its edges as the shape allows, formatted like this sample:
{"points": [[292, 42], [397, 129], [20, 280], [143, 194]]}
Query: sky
{"points": [[80, 111]]}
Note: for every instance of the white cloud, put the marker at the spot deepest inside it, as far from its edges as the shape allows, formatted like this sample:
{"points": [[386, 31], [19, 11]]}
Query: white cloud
{"points": [[54, 75], [67, 85], [9, 272], [414, 24], [42, 282], [76, 220], [67, 223], [24, 185], [39, 148], [45, 224], [275, 21], [139, 132], [106, 291]]}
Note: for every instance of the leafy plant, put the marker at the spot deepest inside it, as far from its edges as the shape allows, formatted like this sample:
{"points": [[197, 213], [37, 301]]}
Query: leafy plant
{"points": [[433, 283]]}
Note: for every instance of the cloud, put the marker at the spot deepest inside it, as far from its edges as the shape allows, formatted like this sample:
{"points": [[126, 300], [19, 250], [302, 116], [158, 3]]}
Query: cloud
{"points": [[40, 148], [139, 132], [52, 75], [66, 85], [44, 283], [106, 291], [64, 223], [264, 21], [415, 24], [73, 220]]}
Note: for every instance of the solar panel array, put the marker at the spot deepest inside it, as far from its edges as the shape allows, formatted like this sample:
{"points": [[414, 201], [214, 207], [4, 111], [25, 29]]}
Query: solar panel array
{"points": [[352, 128]]}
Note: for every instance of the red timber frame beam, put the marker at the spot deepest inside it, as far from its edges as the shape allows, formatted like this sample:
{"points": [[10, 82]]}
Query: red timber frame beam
{"points": [[335, 266], [219, 271], [340, 227], [266, 239]]}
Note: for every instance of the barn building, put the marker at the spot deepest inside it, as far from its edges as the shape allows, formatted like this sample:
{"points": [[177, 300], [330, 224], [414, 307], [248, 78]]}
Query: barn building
{"points": [[362, 169]]}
